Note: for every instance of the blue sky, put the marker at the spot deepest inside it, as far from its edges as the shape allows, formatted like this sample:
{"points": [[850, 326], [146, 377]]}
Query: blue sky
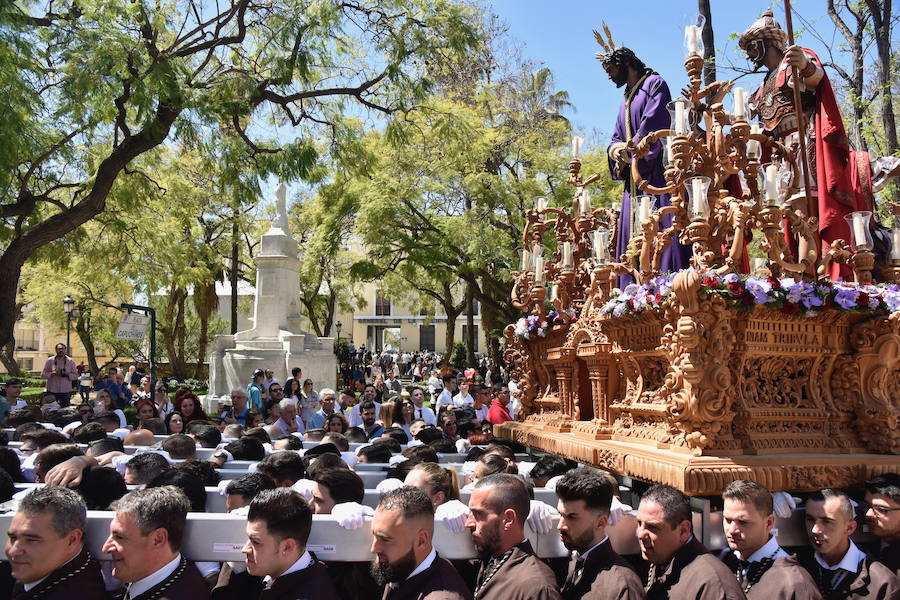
{"points": [[558, 35]]}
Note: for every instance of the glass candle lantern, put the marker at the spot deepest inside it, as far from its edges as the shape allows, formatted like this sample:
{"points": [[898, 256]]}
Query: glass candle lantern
{"points": [[584, 203], [601, 245], [568, 261], [540, 204], [641, 208], [895, 246], [771, 193], [754, 148], [524, 260], [539, 269], [693, 41], [860, 234], [680, 110], [697, 195]]}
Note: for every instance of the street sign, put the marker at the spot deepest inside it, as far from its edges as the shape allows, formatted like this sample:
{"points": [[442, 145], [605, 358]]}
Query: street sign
{"points": [[132, 327]]}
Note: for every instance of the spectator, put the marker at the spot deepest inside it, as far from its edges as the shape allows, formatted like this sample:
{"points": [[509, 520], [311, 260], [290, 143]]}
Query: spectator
{"points": [[292, 389], [164, 406], [174, 422], [255, 391], [145, 545], [370, 426], [241, 491], [60, 371], [445, 398], [205, 435], [326, 409], [499, 411], [10, 399], [267, 382], [448, 426], [190, 409], [402, 530], [85, 412], [103, 403], [180, 447], [45, 548], [499, 506], [278, 526], [284, 468], [239, 410], [145, 409], [369, 395], [336, 423], [255, 419], [289, 422], [404, 415], [308, 400], [142, 468], [335, 486]]}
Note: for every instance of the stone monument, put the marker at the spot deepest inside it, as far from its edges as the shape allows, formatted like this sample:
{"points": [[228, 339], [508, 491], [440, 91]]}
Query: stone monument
{"points": [[276, 340]]}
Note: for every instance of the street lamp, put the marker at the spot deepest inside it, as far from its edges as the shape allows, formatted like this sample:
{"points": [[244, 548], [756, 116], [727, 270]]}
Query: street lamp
{"points": [[337, 326], [68, 306]]}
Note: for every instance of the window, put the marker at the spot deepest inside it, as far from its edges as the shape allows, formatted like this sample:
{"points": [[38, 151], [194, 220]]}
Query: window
{"points": [[426, 337], [26, 364], [382, 304]]}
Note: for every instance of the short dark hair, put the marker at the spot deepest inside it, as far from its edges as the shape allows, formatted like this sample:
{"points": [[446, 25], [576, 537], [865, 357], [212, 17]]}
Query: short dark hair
{"points": [[338, 439], [154, 424], [257, 433], [422, 452], [146, 466], [750, 492], [393, 434], [343, 484], [249, 486], [7, 487], [107, 444], [356, 435], [413, 502], [588, 484], [366, 405], [296, 370], [282, 465], [18, 417], [246, 448], [448, 377], [285, 513], [155, 508], [376, 453], [180, 446], [208, 435], [314, 434], [828, 493], [292, 442], [203, 469], [186, 481], [89, 432], [507, 491], [43, 438], [9, 462], [69, 511], [100, 487], [107, 417], [623, 57], [886, 484], [675, 504], [548, 466]]}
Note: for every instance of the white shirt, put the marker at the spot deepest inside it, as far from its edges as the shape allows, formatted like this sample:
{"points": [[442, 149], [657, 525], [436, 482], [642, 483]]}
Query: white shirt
{"points": [[301, 563], [850, 562], [282, 424], [459, 401], [770, 549], [444, 398], [422, 566], [424, 413], [481, 413], [353, 417], [142, 585]]}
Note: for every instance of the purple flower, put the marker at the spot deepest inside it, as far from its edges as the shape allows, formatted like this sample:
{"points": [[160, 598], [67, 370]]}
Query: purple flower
{"points": [[845, 297], [731, 278], [759, 289]]}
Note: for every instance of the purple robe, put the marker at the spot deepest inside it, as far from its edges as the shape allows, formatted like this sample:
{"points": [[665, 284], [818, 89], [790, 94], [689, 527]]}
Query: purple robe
{"points": [[649, 113]]}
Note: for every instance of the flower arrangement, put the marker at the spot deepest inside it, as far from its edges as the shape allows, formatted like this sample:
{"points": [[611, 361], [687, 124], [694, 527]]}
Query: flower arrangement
{"points": [[788, 295], [533, 326]]}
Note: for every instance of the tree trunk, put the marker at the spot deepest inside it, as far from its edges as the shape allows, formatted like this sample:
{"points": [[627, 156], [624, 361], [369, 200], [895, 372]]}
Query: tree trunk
{"points": [[856, 78], [470, 326], [205, 303], [881, 18], [233, 272], [83, 329], [709, 43], [8, 359]]}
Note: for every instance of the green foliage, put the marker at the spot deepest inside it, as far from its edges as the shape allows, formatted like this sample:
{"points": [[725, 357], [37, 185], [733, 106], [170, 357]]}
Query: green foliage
{"points": [[458, 359], [342, 350]]}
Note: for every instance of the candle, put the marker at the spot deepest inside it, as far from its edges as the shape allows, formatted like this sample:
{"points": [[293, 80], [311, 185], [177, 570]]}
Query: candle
{"points": [[690, 34], [645, 208], [669, 149], [895, 245], [601, 243], [697, 197], [553, 292], [540, 204], [859, 229], [772, 185], [567, 254], [576, 146], [680, 129], [538, 269], [585, 205], [526, 260], [739, 113], [754, 150]]}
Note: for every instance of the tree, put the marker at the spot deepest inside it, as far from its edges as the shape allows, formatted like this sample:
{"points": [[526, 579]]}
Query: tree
{"points": [[94, 85]]}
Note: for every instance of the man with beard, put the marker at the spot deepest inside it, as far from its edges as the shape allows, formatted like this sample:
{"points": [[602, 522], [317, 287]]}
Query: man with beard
{"points": [[498, 508], [680, 566], [883, 517], [643, 111], [405, 560], [596, 571], [839, 567], [278, 526], [764, 570]]}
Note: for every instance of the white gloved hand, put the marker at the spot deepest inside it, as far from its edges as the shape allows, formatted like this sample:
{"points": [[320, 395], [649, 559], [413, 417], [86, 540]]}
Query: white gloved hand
{"points": [[540, 517], [463, 445], [305, 488], [388, 485], [551, 483], [784, 504], [222, 485], [351, 515], [453, 514], [617, 510], [468, 467]]}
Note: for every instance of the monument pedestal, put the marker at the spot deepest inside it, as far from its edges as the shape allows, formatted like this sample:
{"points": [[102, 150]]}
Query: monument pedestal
{"points": [[275, 341]]}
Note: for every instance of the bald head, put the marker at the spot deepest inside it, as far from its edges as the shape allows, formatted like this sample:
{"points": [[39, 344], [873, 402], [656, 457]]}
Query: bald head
{"points": [[140, 437]]}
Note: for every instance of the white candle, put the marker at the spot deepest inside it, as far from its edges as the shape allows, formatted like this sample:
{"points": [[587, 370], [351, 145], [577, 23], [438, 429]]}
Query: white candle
{"points": [[645, 208], [553, 292], [585, 207], [690, 33], [669, 148], [679, 119], [739, 103], [538, 269], [567, 254], [540, 204], [859, 229], [696, 195], [601, 241], [772, 185], [526, 260], [576, 146], [754, 150], [895, 244]]}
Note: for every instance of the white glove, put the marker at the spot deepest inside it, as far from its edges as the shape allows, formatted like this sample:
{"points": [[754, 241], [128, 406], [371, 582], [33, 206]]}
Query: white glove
{"points": [[617, 510], [453, 514], [551, 483], [222, 485], [463, 445], [350, 458], [784, 504], [351, 515], [541, 517], [305, 488], [468, 467], [388, 485]]}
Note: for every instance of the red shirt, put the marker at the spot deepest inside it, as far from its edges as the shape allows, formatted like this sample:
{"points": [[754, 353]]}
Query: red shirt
{"points": [[498, 413]]}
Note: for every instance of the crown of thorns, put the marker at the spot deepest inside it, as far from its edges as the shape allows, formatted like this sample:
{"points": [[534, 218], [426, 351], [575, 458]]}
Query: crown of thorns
{"points": [[764, 28]]}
